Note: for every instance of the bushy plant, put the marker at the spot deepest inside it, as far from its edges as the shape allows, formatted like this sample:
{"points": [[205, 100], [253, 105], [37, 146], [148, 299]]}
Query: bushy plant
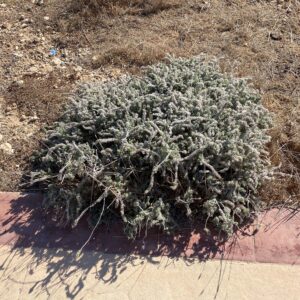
{"points": [[181, 142]]}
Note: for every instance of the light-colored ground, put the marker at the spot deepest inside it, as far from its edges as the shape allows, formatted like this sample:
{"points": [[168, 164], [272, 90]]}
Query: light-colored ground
{"points": [[58, 274]]}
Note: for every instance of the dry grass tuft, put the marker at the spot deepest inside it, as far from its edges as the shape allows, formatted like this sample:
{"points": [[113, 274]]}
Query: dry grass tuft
{"points": [[128, 55], [121, 7]]}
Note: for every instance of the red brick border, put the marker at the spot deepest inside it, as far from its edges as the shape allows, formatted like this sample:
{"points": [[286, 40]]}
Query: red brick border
{"points": [[274, 237]]}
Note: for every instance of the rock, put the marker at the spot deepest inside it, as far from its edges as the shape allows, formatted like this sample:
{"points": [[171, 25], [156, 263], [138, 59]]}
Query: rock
{"points": [[1, 137], [95, 58], [275, 36], [19, 83], [289, 10], [7, 148], [38, 2], [33, 119], [23, 118], [46, 18], [18, 55], [3, 5], [33, 70], [28, 21], [78, 69], [57, 61], [25, 22]]}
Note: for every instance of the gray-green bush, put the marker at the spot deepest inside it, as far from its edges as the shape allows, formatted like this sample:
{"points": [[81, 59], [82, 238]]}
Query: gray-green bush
{"points": [[182, 142]]}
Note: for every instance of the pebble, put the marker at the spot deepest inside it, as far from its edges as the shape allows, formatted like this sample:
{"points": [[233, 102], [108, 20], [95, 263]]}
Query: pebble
{"points": [[7, 148], [275, 36], [78, 68], [33, 119], [95, 58], [33, 70], [23, 118], [16, 54], [38, 2], [46, 18], [19, 82], [27, 21], [57, 61], [1, 137]]}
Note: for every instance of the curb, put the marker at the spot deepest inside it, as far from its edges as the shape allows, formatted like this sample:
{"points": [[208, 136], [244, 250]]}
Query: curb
{"points": [[273, 238]]}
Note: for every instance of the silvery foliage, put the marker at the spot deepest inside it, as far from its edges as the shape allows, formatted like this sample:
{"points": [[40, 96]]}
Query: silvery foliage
{"points": [[182, 142]]}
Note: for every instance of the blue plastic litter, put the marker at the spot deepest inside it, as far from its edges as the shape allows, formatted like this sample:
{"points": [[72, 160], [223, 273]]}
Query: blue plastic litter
{"points": [[53, 52]]}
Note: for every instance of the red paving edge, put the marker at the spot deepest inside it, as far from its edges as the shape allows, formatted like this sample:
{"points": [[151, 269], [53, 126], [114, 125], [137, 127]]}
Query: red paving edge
{"points": [[274, 237]]}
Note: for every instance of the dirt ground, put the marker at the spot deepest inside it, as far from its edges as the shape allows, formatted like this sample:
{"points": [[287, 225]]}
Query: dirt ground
{"points": [[95, 40]]}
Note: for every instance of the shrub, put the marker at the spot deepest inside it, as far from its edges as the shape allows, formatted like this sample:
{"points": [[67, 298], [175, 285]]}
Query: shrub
{"points": [[183, 142]]}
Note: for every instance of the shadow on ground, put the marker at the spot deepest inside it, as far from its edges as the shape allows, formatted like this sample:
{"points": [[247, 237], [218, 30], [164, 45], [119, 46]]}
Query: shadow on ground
{"points": [[38, 240]]}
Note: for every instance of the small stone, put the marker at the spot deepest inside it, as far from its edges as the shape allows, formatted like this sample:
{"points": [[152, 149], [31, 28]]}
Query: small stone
{"points": [[275, 36], [57, 61], [33, 70], [7, 148], [19, 82], [78, 68], [38, 2], [23, 118], [94, 58], [18, 55], [3, 5], [33, 118], [1, 137], [46, 18]]}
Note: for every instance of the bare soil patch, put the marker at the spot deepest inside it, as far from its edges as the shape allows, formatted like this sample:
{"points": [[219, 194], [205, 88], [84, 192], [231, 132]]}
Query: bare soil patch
{"points": [[97, 39]]}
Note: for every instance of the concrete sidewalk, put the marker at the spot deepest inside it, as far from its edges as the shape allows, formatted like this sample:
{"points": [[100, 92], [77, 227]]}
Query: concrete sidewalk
{"points": [[59, 274]]}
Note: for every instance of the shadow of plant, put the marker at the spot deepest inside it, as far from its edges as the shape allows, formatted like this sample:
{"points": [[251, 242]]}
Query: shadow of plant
{"points": [[38, 240]]}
